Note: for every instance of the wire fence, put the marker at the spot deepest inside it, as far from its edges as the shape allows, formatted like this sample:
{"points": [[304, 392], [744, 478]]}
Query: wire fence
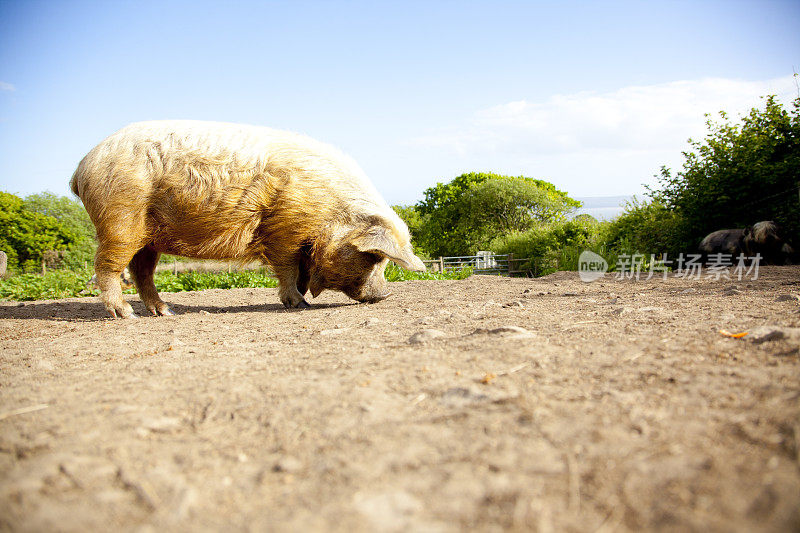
{"points": [[482, 263]]}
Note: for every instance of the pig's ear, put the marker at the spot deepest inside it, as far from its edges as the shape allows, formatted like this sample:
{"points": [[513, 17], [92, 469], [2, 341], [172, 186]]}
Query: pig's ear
{"points": [[379, 240]]}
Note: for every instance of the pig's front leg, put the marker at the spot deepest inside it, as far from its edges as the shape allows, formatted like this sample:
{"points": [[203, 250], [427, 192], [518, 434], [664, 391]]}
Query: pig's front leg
{"points": [[292, 285]]}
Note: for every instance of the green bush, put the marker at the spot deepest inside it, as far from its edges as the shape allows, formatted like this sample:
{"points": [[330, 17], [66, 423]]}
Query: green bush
{"points": [[737, 174], [26, 235], [550, 247], [646, 228]]}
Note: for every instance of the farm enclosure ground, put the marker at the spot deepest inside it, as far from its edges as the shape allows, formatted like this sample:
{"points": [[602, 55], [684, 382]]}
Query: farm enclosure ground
{"points": [[620, 406]]}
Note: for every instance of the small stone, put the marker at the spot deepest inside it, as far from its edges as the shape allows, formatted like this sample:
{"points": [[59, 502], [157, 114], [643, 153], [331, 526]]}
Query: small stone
{"points": [[204, 312], [163, 424], [515, 303], [461, 396], [688, 291], [788, 298], [287, 464], [426, 335], [624, 310], [763, 334], [335, 331], [509, 329]]}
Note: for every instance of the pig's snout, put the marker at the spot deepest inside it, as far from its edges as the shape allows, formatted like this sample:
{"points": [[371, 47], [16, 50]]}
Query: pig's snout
{"points": [[374, 298], [374, 289]]}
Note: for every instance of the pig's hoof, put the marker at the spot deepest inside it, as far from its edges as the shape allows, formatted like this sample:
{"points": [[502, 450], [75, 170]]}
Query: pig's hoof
{"points": [[116, 314], [301, 303], [164, 310], [122, 313]]}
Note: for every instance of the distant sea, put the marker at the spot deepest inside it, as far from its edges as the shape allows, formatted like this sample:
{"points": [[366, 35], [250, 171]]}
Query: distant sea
{"points": [[602, 207]]}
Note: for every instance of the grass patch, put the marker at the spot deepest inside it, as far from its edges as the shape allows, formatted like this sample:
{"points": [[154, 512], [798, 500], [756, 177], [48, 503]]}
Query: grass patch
{"points": [[73, 283], [51, 286], [198, 281], [396, 273]]}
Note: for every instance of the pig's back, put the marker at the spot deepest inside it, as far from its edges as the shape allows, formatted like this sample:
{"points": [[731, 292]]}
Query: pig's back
{"points": [[178, 153]]}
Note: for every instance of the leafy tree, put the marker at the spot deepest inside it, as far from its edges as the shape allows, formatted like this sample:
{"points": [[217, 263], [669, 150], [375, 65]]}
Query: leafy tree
{"points": [[414, 221], [73, 217], [737, 175], [464, 215], [26, 235], [66, 210]]}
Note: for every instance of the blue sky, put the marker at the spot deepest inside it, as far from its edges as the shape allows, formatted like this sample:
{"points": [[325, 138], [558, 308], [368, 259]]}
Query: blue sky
{"points": [[592, 96]]}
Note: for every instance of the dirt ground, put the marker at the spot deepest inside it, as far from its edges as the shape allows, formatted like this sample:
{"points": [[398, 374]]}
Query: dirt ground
{"points": [[528, 404]]}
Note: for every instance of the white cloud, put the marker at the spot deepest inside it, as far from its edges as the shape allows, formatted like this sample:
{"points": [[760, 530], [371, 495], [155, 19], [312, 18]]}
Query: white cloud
{"points": [[5, 86], [576, 139]]}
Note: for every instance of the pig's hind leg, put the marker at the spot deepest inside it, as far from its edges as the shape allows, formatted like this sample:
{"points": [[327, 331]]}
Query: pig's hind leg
{"points": [[143, 268], [109, 263]]}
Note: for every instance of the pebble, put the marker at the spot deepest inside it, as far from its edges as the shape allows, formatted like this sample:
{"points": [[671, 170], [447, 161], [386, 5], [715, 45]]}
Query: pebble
{"points": [[508, 329], [426, 335], [788, 298], [461, 396], [163, 424], [287, 464], [336, 331], [514, 331], [763, 334]]}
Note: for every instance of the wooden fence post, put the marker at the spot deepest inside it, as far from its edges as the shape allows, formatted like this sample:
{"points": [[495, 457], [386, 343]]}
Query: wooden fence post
{"points": [[441, 264], [510, 260]]}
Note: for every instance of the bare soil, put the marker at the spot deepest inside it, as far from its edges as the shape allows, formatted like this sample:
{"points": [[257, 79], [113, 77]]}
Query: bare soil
{"points": [[547, 404]]}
